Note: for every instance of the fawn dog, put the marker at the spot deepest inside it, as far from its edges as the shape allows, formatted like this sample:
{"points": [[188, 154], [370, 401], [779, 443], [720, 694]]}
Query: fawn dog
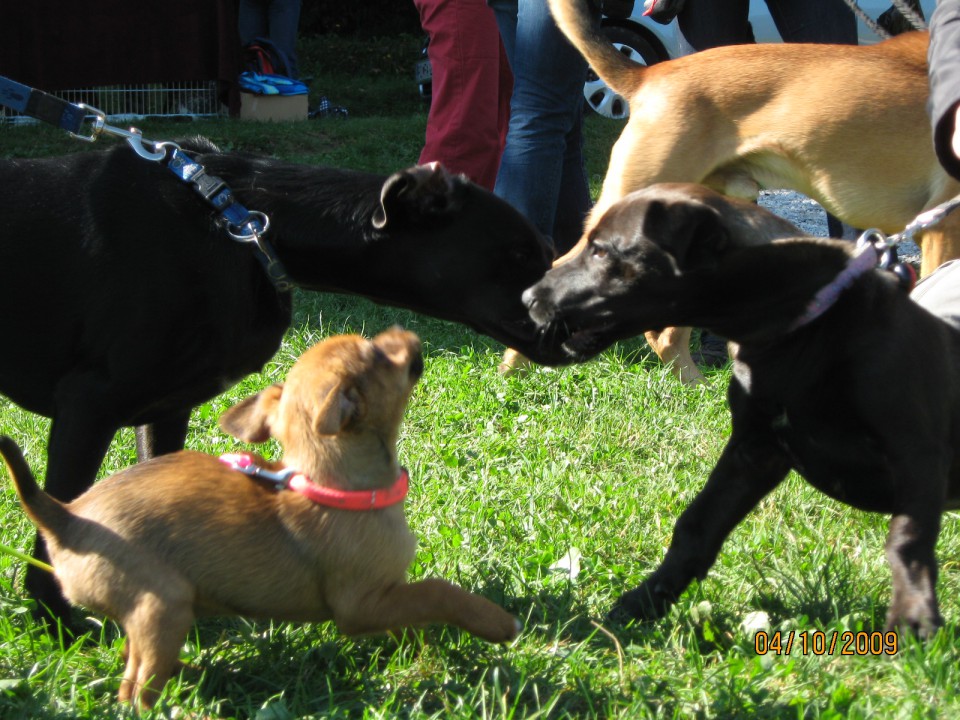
{"points": [[843, 124], [187, 535]]}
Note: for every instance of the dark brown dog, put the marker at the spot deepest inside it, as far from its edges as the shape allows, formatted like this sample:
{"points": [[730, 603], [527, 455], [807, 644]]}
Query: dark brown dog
{"points": [[843, 124], [807, 392], [185, 535]]}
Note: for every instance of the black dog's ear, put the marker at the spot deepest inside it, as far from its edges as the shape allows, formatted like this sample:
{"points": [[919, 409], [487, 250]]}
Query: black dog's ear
{"points": [[416, 194], [692, 234]]}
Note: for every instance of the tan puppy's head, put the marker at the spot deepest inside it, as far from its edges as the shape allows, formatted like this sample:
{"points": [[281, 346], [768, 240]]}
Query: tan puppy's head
{"points": [[345, 388]]}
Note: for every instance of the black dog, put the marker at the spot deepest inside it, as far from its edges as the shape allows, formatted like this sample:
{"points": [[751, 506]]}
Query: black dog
{"points": [[809, 387], [126, 305]]}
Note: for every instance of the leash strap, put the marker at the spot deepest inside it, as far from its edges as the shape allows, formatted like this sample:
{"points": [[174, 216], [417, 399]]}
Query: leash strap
{"points": [[42, 106], [241, 225]]}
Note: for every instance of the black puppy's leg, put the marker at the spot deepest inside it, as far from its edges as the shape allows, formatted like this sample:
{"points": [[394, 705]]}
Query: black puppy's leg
{"points": [[910, 548], [75, 452], [746, 472], [162, 437]]}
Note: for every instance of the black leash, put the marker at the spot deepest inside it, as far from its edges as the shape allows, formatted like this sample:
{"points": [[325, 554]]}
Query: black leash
{"points": [[240, 224]]}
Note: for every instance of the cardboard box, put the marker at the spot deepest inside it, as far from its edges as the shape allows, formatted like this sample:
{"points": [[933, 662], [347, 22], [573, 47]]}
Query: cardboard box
{"points": [[273, 107]]}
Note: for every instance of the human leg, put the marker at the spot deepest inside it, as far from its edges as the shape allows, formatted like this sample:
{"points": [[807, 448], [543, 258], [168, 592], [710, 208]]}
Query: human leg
{"points": [[284, 19], [814, 21], [711, 23], [252, 20], [542, 159], [469, 108]]}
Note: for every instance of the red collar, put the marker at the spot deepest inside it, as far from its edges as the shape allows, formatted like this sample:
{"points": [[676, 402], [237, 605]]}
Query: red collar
{"points": [[320, 494]]}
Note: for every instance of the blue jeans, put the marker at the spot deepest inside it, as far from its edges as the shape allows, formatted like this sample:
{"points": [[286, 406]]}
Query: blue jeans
{"points": [[541, 170], [711, 23], [276, 20]]}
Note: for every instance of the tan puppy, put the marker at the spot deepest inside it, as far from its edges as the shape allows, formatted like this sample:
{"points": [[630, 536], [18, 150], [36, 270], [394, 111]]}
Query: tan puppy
{"points": [[844, 125], [185, 535]]}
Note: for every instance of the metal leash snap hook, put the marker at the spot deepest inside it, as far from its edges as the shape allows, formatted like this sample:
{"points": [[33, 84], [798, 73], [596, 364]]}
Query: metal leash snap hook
{"points": [[135, 140]]}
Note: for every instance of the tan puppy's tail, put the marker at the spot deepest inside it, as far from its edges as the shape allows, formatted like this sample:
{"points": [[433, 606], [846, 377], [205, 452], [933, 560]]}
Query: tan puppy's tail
{"points": [[46, 512], [614, 68]]}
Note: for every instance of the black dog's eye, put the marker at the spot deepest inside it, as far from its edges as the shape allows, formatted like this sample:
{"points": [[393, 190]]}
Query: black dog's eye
{"points": [[598, 252]]}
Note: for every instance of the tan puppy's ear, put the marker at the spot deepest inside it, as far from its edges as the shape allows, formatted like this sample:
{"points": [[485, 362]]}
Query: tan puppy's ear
{"points": [[338, 408], [251, 419]]}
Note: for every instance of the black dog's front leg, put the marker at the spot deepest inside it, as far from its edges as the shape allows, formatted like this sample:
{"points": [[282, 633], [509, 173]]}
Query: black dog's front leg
{"points": [[748, 469], [162, 437], [910, 550]]}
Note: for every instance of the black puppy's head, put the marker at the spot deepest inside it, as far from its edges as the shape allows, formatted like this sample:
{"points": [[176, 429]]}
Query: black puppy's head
{"points": [[642, 266]]}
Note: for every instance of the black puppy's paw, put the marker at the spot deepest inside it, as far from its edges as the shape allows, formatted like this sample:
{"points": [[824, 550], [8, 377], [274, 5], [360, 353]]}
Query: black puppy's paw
{"points": [[646, 603]]}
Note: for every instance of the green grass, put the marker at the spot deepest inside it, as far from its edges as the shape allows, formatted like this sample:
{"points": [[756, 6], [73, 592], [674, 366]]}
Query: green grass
{"points": [[509, 475]]}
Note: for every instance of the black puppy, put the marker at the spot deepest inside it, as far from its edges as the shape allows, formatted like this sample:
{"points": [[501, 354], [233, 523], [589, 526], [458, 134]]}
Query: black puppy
{"points": [[816, 337], [124, 304]]}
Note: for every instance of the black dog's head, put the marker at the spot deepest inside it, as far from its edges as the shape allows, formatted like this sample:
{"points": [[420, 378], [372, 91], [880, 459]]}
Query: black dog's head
{"points": [[475, 254], [422, 238], [647, 264]]}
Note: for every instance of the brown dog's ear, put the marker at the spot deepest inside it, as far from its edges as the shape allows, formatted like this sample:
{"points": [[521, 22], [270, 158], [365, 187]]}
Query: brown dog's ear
{"points": [[415, 195], [692, 233], [251, 419], [341, 406]]}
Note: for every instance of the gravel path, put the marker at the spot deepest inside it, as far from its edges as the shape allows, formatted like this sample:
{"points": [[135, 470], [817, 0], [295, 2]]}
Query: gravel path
{"points": [[810, 217]]}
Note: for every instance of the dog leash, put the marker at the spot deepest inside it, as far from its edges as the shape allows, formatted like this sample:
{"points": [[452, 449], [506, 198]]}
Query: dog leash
{"points": [[904, 9], [25, 558], [240, 224], [291, 479]]}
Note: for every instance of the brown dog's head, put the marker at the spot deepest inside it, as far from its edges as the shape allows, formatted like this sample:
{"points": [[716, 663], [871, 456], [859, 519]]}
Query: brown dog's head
{"points": [[346, 388], [647, 264]]}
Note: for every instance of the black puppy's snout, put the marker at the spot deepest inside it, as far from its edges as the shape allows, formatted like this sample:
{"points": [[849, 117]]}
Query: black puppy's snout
{"points": [[538, 304], [529, 298]]}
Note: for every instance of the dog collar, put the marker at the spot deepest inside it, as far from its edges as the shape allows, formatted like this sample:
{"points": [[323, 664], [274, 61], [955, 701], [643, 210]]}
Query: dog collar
{"points": [[873, 250], [291, 479]]}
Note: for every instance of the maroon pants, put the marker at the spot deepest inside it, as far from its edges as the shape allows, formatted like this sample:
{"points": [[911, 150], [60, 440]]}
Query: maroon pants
{"points": [[470, 105]]}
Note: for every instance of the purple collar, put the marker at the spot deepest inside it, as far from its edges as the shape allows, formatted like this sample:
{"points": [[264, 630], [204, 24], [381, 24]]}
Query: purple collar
{"points": [[860, 264]]}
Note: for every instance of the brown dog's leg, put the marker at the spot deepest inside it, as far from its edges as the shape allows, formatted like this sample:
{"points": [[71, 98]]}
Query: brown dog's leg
{"points": [[939, 244], [512, 362], [672, 346], [423, 603], [154, 637], [910, 552]]}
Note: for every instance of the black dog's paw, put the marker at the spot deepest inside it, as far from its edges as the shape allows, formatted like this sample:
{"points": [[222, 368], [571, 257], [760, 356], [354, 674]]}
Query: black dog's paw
{"points": [[644, 604], [922, 622]]}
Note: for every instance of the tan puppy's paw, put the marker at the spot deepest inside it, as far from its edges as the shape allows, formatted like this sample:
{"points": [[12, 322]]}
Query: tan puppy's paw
{"points": [[512, 362]]}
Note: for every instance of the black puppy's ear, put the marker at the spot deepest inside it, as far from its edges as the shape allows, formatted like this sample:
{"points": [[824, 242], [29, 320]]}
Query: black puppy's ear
{"points": [[251, 420], [693, 234], [415, 195]]}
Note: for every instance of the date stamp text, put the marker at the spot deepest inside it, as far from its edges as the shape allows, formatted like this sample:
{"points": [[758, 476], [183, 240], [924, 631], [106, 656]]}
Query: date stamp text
{"points": [[834, 642]]}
